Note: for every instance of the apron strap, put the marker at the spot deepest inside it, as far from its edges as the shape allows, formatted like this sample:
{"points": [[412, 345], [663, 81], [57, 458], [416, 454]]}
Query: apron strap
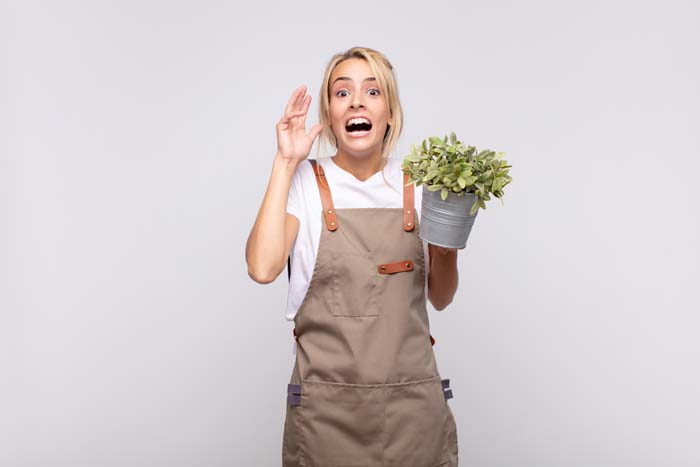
{"points": [[326, 199], [408, 211]]}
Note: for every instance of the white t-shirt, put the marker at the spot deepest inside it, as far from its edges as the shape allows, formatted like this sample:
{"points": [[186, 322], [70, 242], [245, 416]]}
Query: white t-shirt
{"points": [[347, 191]]}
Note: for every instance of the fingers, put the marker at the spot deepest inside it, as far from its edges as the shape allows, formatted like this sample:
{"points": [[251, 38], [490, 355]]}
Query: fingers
{"points": [[304, 109], [286, 117], [302, 101], [304, 104], [297, 106], [293, 100]]}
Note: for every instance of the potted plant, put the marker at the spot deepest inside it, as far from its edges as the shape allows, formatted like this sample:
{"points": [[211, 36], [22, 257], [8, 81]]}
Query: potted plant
{"points": [[457, 180]]}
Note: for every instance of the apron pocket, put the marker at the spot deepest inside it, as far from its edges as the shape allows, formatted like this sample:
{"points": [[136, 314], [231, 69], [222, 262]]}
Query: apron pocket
{"points": [[416, 425], [340, 425], [355, 285]]}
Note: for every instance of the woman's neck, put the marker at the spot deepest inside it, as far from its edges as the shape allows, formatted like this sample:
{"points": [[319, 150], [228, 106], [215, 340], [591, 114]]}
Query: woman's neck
{"points": [[361, 167]]}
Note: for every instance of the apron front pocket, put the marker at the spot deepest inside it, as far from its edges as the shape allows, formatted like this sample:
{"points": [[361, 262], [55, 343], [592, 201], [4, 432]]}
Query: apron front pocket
{"points": [[355, 285], [341, 425], [416, 425]]}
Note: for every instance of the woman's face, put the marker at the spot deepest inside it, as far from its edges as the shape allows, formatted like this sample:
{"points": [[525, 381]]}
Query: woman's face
{"points": [[355, 93]]}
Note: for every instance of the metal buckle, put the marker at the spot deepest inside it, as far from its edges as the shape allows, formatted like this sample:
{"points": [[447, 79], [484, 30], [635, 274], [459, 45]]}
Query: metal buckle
{"points": [[446, 391]]}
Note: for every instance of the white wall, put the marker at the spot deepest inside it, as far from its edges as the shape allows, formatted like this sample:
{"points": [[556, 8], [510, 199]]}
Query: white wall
{"points": [[139, 144]]}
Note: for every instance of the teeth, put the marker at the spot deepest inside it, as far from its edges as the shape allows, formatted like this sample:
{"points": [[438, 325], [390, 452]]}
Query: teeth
{"points": [[357, 120]]}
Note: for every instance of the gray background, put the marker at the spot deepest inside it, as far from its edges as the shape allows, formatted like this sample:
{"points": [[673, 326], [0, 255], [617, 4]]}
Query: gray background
{"points": [[137, 147]]}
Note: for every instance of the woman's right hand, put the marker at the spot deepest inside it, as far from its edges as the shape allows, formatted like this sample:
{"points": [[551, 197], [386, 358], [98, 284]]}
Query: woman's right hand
{"points": [[293, 143]]}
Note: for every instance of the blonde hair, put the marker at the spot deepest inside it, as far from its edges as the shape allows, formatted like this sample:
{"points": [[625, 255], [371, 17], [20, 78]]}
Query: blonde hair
{"points": [[386, 79]]}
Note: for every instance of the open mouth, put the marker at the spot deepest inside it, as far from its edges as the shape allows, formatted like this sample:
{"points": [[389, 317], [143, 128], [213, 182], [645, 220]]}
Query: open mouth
{"points": [[358, 125]]}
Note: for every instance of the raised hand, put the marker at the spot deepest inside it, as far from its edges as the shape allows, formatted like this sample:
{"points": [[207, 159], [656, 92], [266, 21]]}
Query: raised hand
{"points": [[292, 140]]}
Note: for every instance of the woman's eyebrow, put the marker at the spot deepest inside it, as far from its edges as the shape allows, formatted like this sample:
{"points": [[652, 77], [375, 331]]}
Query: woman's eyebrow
{"points": [[346, 78]]}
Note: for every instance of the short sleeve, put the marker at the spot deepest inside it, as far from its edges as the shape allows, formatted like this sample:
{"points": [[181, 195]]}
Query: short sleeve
{"points": [[294, 197]]}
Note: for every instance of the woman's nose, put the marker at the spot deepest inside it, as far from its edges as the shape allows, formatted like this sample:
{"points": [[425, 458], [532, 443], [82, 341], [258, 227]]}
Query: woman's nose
{"points": [[356, 101]]}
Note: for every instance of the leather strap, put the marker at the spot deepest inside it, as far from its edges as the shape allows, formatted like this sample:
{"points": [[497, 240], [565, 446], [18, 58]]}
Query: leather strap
{"points": [[398, 266], [408, 211], [326, 199]]}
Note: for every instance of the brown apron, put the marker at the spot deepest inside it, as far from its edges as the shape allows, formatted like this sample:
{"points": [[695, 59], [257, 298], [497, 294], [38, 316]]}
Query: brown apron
{"points": [[365, 389]]}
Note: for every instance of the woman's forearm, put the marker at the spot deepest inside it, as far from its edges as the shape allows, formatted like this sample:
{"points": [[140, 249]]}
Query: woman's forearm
{"points": [[265, 248], [443, 276]]}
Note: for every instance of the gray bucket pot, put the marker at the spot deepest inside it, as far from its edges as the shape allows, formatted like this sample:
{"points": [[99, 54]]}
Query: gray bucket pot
{"points": [[446, 223]]}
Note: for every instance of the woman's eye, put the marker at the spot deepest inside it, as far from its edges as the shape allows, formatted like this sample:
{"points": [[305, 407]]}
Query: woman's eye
{"points": [[343, 92]]}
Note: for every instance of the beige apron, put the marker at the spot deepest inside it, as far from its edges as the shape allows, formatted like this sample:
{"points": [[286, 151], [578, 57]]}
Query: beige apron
{"points": [[365, 389]]}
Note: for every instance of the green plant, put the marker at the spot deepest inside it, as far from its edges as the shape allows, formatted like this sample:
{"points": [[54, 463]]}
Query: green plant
{"points": [[452, 167]]}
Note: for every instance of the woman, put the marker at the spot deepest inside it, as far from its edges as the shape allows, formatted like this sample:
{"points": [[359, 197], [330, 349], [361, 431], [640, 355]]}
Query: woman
{"points": [[365, 389]]}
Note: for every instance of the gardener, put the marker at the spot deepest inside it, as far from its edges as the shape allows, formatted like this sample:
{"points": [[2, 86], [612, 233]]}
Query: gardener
{"points": [[365, 389]]}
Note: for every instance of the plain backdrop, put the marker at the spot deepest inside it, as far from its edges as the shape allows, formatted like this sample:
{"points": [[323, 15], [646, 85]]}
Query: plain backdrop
{"points": [[137, 144]]}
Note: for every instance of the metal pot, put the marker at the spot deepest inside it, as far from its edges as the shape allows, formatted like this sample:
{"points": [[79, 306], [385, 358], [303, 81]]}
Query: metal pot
{"points": [[446, 223]]}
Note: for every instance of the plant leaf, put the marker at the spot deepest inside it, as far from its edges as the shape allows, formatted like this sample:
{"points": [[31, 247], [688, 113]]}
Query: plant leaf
{"points": [[435, 140]]}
